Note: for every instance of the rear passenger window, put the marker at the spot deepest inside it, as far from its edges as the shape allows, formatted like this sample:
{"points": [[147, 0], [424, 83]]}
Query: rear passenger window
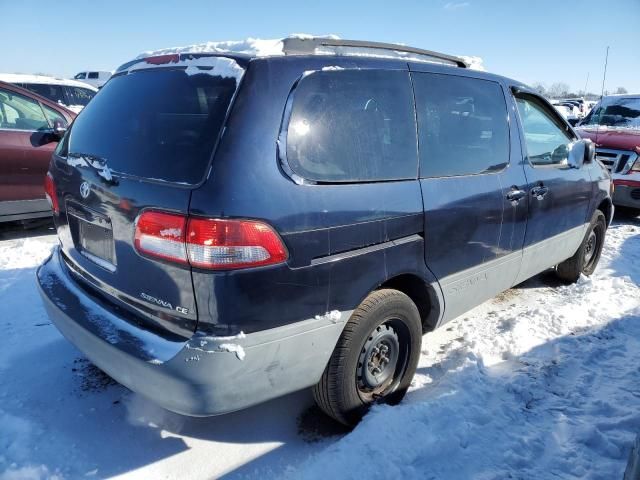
{"points": [[462, 125], [353, 126], [54, 93]]}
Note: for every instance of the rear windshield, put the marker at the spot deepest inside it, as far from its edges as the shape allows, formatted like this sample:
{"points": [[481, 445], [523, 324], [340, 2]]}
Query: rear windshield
{"points": [[158, 124]]}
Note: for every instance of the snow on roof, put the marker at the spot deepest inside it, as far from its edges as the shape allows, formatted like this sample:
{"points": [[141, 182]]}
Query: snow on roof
{"points": [[474, 63], [43, 79], [256, 47]]}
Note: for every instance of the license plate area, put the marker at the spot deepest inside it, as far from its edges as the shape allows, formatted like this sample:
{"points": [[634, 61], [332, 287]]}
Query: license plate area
{"points": [[92, 235]]}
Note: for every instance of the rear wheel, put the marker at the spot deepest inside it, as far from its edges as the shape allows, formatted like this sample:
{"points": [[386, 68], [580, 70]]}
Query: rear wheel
{"points": [[586, 258], [375, 358]]}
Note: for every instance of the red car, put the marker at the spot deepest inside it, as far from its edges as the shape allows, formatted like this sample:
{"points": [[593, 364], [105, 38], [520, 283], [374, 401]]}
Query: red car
{"points": [[614, 126], [30, 128]]}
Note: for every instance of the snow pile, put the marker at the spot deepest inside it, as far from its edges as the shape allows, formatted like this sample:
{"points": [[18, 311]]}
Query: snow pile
{"points": [[255, 47], [541, 382], [474, 63]]}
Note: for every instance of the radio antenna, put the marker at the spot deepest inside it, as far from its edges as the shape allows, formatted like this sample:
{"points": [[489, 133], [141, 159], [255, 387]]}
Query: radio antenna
{"points": [[586, 83], [604, 75]]}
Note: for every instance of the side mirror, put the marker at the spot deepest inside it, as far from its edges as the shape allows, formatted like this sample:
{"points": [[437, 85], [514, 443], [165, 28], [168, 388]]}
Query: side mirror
{"points": [[581, 152], [59, 129], [589, 151]]}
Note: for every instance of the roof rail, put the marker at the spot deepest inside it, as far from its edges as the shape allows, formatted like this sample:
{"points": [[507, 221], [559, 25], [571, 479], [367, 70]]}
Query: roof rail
{"points": [[309, 46]]}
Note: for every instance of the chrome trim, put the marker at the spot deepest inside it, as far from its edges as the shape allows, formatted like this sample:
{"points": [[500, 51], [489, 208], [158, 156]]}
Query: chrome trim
{"points": [[613, 158]]}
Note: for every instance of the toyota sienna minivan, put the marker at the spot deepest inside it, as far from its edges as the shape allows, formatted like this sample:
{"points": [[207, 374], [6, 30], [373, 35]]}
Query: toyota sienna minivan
{"points": [[234, 228]]}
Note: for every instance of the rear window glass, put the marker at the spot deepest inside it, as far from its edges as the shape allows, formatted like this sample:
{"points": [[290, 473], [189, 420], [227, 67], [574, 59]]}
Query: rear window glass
{"points": [[159, 124], [352, 126], [54, 93], [79, 95], [462, 125]]}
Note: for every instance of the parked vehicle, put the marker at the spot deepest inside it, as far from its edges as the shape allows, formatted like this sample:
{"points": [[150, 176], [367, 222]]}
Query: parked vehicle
{"points": [[95, 78], [614, 125], [69, 93], [577, 102], [568, 111], [30, 127], [295, 233]]}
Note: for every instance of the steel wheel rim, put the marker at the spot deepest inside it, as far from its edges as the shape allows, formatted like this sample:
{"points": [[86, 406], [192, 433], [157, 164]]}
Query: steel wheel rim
{"points": [[591, 247], [381, 363]]}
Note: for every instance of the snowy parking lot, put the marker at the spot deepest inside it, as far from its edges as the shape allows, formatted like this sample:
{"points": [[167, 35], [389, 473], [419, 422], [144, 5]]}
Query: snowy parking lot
{"points": [[541, 382]]}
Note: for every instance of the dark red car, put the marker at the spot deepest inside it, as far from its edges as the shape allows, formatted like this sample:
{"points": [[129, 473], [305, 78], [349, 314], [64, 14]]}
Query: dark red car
{"points": [[614, 126], [30, 128]]}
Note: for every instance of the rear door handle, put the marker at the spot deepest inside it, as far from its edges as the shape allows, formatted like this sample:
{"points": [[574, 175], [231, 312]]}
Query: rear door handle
{"points": [[515, 195], [539, 192]]}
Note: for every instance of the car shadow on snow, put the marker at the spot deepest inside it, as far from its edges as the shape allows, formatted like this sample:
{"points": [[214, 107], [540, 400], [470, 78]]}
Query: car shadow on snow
{"points": [[26, 229], [105, 428]]}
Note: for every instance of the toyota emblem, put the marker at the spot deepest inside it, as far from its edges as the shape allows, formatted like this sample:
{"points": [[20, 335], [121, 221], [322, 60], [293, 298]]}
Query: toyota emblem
{"points": [[85, 189]]}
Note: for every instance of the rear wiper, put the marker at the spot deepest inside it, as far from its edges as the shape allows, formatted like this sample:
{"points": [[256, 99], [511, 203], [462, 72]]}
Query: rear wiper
{"points": [[97, 164]]}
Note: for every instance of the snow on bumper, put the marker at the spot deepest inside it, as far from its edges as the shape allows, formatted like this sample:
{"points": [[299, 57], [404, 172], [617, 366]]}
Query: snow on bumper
{"points": [[199, 377]]}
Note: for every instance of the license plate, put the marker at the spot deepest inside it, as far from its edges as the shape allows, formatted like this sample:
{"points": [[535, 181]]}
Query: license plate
{"points": [[94, 238]]}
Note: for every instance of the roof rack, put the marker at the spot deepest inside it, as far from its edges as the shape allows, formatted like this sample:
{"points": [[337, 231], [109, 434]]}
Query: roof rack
{"points": [[309, 46]]}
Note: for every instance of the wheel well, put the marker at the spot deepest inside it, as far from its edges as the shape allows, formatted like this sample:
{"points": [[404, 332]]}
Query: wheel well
{"points": [[606, 208], [421, 294]]}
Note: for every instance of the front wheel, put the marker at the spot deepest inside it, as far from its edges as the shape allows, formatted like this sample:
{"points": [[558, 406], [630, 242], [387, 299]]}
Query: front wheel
{"points": [[586, 258], [375, 358]]}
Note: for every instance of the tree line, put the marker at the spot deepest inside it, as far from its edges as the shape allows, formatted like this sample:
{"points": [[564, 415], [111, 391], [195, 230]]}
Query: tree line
{"points": [[562, 90]]}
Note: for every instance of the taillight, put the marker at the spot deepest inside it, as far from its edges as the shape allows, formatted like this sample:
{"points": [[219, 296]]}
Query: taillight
{"points": [[226, 244], [161, 235], [208, 243], [50, 193]]}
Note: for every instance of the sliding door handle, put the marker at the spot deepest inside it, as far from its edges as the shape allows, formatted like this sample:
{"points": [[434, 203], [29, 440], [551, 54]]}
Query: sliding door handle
{"points": [[515, 195], [539, 192]]}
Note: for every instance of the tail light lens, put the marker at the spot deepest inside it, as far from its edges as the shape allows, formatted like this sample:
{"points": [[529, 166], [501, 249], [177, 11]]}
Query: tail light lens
{"points": [[208, 243], [50, 193], [225, 244], [161, 235]]}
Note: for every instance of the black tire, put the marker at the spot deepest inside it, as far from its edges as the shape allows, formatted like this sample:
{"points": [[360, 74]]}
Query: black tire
{"points": [[375, 358], [585, 260]]}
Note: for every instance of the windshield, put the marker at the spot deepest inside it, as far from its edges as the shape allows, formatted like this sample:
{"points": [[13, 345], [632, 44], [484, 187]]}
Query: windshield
{"points": [[615, 112], [159, 123]]}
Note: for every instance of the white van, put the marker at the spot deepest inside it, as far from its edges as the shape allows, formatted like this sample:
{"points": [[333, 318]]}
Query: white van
{"points": [[97, 79], [70, 93]]}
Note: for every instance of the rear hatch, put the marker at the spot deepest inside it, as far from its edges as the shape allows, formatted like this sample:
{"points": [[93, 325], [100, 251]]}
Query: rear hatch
{"points": [[142, 144]]}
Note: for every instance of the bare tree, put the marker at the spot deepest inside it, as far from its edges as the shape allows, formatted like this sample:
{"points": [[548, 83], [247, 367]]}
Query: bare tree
{"points": [[621, 91], [539, 88], [558, 90]]}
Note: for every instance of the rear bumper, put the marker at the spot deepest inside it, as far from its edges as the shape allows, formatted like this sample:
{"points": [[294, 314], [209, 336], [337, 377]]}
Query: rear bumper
{"points": [[202, 376], [627, 195]]}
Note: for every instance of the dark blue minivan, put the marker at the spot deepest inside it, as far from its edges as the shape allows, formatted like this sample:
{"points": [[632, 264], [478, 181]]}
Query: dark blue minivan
{"points": [[233, 228]]}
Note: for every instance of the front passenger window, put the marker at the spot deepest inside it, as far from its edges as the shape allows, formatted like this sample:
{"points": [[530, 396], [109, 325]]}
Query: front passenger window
{"points": [[21, 113], [547, 139]]}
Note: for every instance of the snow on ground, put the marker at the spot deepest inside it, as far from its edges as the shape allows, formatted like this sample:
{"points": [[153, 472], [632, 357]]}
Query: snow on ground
{"points": [[541, 382]]}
